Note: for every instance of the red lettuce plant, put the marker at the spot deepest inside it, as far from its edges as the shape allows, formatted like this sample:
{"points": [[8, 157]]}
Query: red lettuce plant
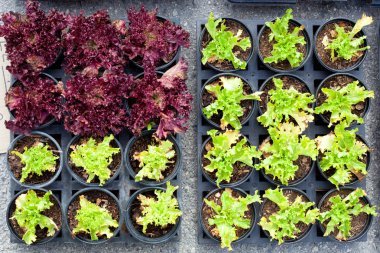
{"points": [[33, 40], [94, 103], [151, 39], [163, 101]]}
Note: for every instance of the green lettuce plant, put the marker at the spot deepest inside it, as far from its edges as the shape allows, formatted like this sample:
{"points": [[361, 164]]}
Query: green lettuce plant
{"points": [[345, 45], [220, 48], [229, 93], [282, 224], [285, 46], [94, 220], [28, 214], [342, 152], [154, 160], [94, 158], [341, 100], [230, 215], [286, 104], [342, 211], [227, 149], [283, 150], [36, 160], [161, 210]]}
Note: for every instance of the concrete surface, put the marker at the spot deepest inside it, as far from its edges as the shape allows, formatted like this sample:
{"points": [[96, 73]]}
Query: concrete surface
{"points": [[189, 11]]}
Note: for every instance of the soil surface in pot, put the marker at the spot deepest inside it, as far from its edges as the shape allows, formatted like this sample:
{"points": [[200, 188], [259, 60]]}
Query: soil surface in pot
{"points": [[358, 223], [266, 47], [271, 208], [208, 212], [152, 231], [325, 54], [54, 213], [141, 144], [16, 165], [81, 172], [233, 27], [335, 82], [208, 98], [102, 199]]}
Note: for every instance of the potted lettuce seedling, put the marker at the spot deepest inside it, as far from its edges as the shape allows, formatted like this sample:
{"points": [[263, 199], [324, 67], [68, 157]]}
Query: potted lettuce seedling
{"points": [[94, 161], [34, 216], [227, 158], [340, 44], [225, 44], [287, 214], [343, 156], [284, 44], [93, 215], [341, 97], [285, 98], [153, 214], [228, 101], [34, 160], [228, 215], [346, 214], [287, 156]]}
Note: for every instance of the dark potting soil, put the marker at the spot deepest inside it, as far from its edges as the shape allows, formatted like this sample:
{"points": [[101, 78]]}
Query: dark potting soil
{"points": [[358, 223], [270, 208], [54, 213], [325, 54], [335, 82], [81, 172], [208, 212], [16, 165], [266, 47], [101, 199], [234, 27], [247, 105]]}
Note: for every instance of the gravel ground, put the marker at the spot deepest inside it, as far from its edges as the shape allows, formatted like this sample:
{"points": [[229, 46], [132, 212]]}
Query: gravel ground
{"points": [[189, 11]]}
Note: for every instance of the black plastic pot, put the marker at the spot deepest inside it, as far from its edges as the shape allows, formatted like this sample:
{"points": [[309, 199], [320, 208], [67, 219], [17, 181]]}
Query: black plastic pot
{"points": [[253, 221], [83, 192], [367, 103], [79, 178], [11, 207], [368, 223], [301, 237], [358, 63], [152, 183], [58, 170], [227, 70], [306, 57], [139, 235], [212, 181], [212, 79]]}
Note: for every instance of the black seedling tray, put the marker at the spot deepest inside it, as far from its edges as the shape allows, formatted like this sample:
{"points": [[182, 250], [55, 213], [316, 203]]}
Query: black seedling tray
{"points": [[256, 73], [265, 2]]}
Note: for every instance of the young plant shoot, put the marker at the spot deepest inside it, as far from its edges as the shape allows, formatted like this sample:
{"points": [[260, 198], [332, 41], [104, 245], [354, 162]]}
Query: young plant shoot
{"points": [[222, 44], [342, 153], [287, 104], [28, 214], [229, 93], [95, 158], [226, 150], [342, 211], [230, 215], [286, 41], [341, 101], [283, 224], [346, 45], [160, 211], [36, 160], [94, 220], [283, 149]]}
